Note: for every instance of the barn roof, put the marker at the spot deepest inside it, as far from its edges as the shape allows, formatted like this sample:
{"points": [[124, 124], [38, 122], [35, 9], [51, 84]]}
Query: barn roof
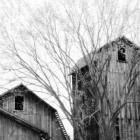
{"points": [[24, 123], [24, 88], [83, 61]]}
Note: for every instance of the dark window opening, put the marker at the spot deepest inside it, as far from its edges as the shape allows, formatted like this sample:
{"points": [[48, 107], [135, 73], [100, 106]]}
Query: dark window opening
{"points": [[19, 100], [1, 103], [121, 55], [117, 129], [79, 85], [82, 77], [95, 63], [84, 70]]}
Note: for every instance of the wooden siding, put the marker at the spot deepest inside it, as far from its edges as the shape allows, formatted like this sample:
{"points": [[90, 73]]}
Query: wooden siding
{"points": [[12, 130], [117, 76], [35, 111]]}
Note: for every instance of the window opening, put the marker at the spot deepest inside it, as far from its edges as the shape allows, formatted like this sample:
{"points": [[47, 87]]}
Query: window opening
{"points": [[95, 63], [79, 85], [81, 77], [121, 54], [19, 100]]}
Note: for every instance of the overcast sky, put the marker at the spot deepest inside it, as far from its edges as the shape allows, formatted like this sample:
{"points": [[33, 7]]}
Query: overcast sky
{"points": [[13, 11]]}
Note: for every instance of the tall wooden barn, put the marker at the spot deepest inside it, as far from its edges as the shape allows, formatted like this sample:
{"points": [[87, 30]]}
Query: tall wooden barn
{"points": [[123, 55], [25, 116]]}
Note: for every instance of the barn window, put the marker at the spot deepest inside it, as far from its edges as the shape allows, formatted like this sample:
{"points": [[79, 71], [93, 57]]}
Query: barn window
{"points": [[81, 77], [121, 54], [19, 100], [79, 85], [95, 63]]}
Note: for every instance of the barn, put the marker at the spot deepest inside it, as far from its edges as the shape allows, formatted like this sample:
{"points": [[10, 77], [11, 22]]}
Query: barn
{"points": [[24, 115], [120, 78]]}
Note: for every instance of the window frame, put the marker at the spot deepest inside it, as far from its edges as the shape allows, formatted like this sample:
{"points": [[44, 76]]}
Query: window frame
{"points": [[22, 102], [118, 51]]}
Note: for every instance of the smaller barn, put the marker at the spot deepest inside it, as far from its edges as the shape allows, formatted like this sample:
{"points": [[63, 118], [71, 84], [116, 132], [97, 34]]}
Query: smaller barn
{"points": [[21, 109]]}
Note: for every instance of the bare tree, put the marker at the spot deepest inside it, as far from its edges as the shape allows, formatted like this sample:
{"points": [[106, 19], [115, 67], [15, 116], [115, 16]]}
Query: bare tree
{"points": [[42, 56]]}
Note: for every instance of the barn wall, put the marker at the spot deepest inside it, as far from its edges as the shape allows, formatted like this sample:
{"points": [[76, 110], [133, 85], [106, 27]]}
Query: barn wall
{"points": [[11, 130], [117, 77], [36, 112]]}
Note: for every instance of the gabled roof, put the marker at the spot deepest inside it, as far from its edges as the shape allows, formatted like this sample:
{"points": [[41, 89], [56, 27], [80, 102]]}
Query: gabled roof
{"points": [[127, 41], [82, 61], [21, 86], [24, 123]]}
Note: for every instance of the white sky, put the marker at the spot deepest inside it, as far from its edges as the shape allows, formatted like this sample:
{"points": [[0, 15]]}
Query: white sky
{"points": [[13, 11]]}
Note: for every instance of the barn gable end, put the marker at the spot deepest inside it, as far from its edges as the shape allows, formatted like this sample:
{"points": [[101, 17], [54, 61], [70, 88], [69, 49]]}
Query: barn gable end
{"points": [[25, 104]]}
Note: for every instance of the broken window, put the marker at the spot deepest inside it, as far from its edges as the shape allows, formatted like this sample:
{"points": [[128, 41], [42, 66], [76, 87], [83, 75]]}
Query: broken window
{"points": [[82, 77], [19, 100], [121, 54]]}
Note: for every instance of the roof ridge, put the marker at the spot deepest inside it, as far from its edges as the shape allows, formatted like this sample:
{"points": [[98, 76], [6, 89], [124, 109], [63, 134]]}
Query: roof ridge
{"points": [[28, 90], [81, 61]]}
